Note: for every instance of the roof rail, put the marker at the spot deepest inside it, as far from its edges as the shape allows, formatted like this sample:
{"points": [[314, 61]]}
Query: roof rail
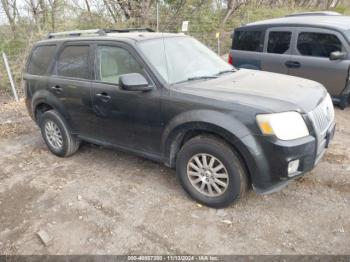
{"points": [[322, 13], [127, 30], [97, 32], [77, 33]]}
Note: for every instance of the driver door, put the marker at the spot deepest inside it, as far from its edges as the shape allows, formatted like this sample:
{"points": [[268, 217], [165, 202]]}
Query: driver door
{"points": [[129, 119]]}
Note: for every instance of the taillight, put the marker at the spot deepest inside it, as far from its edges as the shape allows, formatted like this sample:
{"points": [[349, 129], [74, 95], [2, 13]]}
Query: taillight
{"points": [[230, 59]]}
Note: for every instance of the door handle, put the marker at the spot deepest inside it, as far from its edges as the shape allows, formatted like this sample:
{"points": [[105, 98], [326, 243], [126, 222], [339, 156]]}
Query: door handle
{"points": [[293, 64], [57, 89], [103, 96]]}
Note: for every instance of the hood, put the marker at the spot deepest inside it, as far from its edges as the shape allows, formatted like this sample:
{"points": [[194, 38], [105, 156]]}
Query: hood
{"points": [[269, 91]]}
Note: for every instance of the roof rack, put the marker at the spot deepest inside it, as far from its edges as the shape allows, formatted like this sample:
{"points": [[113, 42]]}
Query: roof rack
{"points": [[76, 33], [99, 32], [322, 13], [128, 30]]}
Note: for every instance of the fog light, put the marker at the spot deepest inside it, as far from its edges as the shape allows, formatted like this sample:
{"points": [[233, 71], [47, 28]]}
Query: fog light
{"points": [[293, 166]]}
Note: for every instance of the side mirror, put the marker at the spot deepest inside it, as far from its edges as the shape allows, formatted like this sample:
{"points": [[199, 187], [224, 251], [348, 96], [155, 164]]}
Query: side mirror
{"points": [[134, 82], [337, 55]]}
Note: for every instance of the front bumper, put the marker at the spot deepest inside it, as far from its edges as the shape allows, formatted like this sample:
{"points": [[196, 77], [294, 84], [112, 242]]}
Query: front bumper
{"points": [[270, 157]]}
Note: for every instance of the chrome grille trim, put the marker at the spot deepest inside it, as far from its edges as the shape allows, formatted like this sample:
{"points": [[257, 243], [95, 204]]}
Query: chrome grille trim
{"points": [[322, 116]]}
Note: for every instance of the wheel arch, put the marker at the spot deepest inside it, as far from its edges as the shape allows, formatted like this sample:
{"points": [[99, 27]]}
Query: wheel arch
{"points": [[43, 101], [204, 122]]}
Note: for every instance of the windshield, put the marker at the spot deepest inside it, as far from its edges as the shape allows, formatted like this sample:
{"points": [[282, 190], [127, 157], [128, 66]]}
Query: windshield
{"points": [[179, 59]]}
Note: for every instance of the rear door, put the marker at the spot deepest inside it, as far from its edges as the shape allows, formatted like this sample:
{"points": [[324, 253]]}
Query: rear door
{"points": [[277, 49], [71, 81], [310, 58]]}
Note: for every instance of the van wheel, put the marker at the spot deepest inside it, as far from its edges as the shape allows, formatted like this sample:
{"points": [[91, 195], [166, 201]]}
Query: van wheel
{"points": [[211, 172], [57, 135]]}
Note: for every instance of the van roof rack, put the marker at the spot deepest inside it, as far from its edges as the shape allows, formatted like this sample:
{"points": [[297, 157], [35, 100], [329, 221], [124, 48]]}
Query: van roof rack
{"points": [[99, 32], [322, 13]]}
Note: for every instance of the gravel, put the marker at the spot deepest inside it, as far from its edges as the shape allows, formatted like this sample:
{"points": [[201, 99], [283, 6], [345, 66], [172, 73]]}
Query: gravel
{"points": [[102, 201]]}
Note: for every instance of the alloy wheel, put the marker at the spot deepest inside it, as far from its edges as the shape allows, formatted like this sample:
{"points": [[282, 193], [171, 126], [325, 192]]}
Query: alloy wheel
{"points": [[207, 174], [53, 135]]}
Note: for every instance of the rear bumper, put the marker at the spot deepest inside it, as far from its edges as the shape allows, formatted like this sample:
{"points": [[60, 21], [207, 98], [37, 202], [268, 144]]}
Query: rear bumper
{"points": [[270, 157]]}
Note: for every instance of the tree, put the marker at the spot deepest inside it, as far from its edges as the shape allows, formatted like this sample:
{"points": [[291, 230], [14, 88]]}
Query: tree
{"points": [[11, 11], [34, 8]]}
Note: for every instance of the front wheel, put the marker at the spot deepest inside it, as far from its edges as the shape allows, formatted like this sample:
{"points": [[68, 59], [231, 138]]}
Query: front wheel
{"points": [[57, 135], [211, 172]]}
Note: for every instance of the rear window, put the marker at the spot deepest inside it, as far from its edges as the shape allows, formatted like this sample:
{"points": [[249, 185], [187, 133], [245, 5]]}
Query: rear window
{"points": [[74, 62], [279, 42], [41, 59], [248, 41]]}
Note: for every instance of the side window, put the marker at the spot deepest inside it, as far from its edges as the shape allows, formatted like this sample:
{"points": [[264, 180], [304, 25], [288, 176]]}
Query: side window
{"points": [[112, 62], [318, 44], [279, 42], [74, 62], [41, 59], [248, 41]]}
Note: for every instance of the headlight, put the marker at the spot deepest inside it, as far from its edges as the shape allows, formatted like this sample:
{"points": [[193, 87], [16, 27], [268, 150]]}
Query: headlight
{"points": [[285, 126]]}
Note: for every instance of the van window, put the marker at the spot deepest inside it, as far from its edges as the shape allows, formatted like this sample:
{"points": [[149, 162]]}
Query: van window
{"points": [[278, 42], [347, 33], [112, 62], [41, 59], [318, 44], [74, 62], [248, 41]]}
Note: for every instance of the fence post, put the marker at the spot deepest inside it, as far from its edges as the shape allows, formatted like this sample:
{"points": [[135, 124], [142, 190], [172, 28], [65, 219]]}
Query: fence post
{"points": [[217, 35], [10, 76]]}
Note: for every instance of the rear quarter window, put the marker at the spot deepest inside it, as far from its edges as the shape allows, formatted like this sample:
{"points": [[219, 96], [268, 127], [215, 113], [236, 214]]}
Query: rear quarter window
{"points": [[248, 41], [41, 59]]}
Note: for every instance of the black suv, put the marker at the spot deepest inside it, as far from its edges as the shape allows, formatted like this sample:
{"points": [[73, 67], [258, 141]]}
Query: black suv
{"points": [[169, 98]]}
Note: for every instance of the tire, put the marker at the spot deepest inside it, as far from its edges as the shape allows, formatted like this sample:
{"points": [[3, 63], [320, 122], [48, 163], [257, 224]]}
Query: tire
{"points": [[343, 104], [68, 144], [236, 181]]}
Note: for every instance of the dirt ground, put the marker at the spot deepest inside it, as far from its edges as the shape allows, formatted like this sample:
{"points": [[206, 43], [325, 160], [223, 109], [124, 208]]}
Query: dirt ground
{"points": [[101, 201]]}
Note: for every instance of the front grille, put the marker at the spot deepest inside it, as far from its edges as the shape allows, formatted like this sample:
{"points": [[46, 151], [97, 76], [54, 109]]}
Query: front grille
{"points": [[322, 116]]}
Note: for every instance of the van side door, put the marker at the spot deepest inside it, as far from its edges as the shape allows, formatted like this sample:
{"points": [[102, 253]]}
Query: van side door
{"points": [[277, 49], [311, 58]]}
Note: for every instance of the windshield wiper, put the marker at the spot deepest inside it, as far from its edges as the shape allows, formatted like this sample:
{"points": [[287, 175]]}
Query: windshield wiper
{"points": [[200, 77], [196, 78], [226, 71]]}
